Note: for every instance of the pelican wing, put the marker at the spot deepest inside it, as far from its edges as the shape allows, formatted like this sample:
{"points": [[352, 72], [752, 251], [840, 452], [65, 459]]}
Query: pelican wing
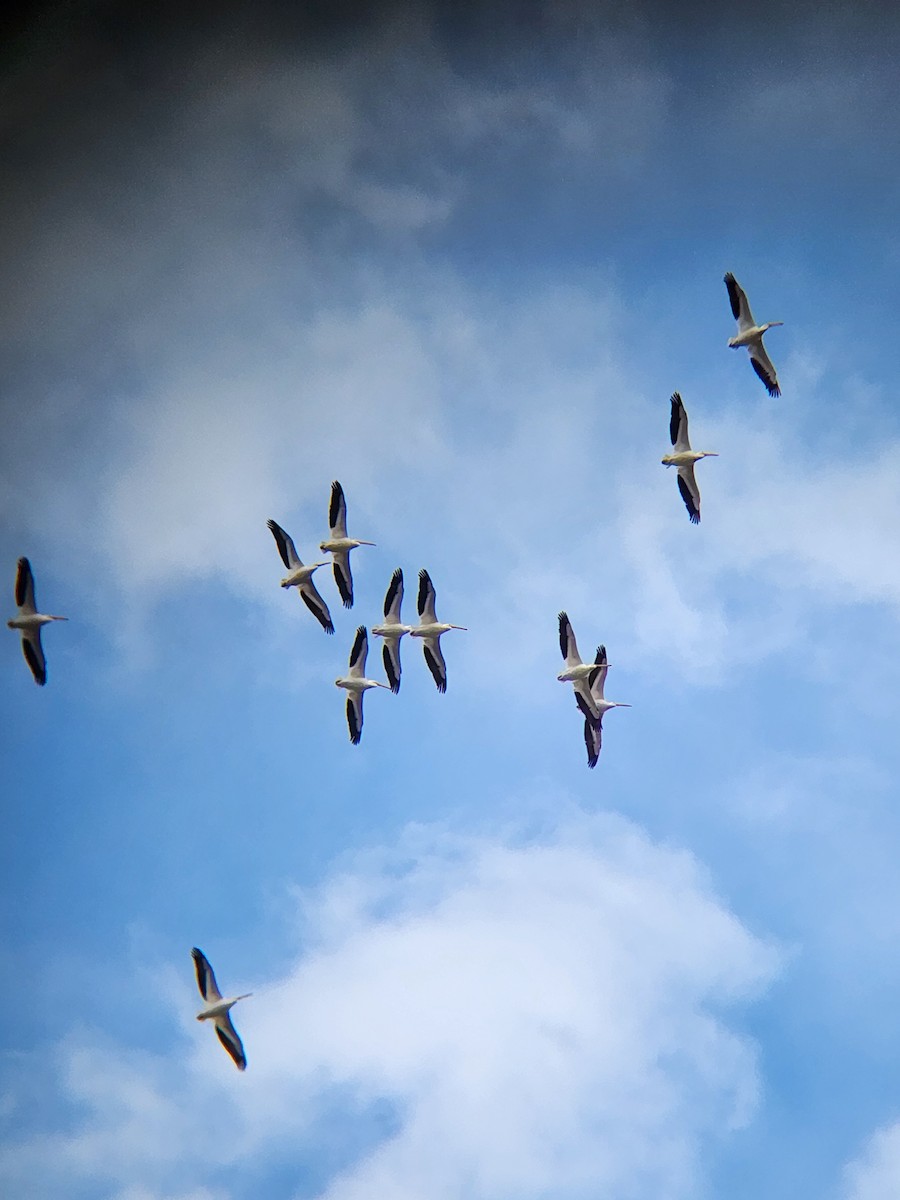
{"points": [[425, 600], [762, 365], [206, 980], [285, 545], [678, 425], [390, 653], [34, 655], [597, 678], [394, 598], [690, 493], [359, 652], [227, 1035], [435, 659], [342, 577], [309, 594], [567, 641], [585, 700], [739, 306], [337, 511], [593, 739], [355, 716], [25, 587]]}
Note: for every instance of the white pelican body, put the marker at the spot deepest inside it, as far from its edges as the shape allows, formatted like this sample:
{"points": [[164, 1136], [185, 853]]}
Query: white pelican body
{"points": [[356, 684], [430, 629], [578, 673], [29, 621], [300, 577], [750, 335], [216, 1008], [339, 545], [684, 458], [593, 729], [392, 630]]}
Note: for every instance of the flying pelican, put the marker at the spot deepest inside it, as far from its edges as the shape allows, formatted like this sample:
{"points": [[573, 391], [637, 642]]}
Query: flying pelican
{"points": [[578, 673], [300, 577], [339, 545], [684, 458], [29, 621], [356, 684], [392, 630], [430, 629], [750, 334], [215, 1009], [593, 728]]}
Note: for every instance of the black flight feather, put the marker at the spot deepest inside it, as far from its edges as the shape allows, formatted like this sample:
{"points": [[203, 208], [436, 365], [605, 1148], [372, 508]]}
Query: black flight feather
{"points": [[355, 730], [321, 614], [337, 498], [693, 513], [38, 669], [22, 576], [279, 535], [393, 587], [733, 295]]}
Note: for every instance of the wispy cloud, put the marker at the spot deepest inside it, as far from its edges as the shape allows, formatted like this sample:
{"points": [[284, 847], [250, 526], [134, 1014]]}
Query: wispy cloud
{"points": [[538, 1014], [875, 1174]]}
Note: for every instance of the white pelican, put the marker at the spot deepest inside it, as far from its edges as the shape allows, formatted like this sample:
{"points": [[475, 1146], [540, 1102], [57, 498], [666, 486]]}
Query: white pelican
{"points": [[593, 728], [684, 458], [300, 577], [578, 673], [356, 684], [750, 334], [392, 630], [29, 621], [339, 545], [430, 629], [215, 1008]]}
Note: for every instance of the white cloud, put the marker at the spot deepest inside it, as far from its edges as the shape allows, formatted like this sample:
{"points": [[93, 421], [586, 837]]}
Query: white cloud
{"points": [[875, 1175], [540, 1015]]}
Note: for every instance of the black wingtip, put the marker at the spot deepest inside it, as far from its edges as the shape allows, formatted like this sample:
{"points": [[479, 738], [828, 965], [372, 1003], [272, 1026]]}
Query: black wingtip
{"points": [[732, 284], [772, 388], [23, 570], [692, 512]]}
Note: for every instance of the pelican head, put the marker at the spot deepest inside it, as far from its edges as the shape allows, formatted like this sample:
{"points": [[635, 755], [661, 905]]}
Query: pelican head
{"points": [[772, 324]]}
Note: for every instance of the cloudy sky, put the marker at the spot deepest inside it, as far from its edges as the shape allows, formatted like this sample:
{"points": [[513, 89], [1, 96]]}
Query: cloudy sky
{"points": [[459, 262]]}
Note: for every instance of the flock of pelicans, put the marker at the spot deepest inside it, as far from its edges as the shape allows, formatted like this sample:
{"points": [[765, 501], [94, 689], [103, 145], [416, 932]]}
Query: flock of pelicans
{"points": [[587, 679]]}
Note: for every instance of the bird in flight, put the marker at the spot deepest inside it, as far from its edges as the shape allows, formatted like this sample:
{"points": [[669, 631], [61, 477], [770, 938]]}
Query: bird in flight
{"points": [[300, 577], [593, 729], [29, 621], [356, 684], [216, 1008], [684, 458], [577, 672], [429, 629], [339, 545], [392, 630], [750, 334]]}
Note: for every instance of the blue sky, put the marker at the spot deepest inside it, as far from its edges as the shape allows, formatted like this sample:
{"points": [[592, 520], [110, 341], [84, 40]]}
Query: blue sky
{"points": [[459, 263]]}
